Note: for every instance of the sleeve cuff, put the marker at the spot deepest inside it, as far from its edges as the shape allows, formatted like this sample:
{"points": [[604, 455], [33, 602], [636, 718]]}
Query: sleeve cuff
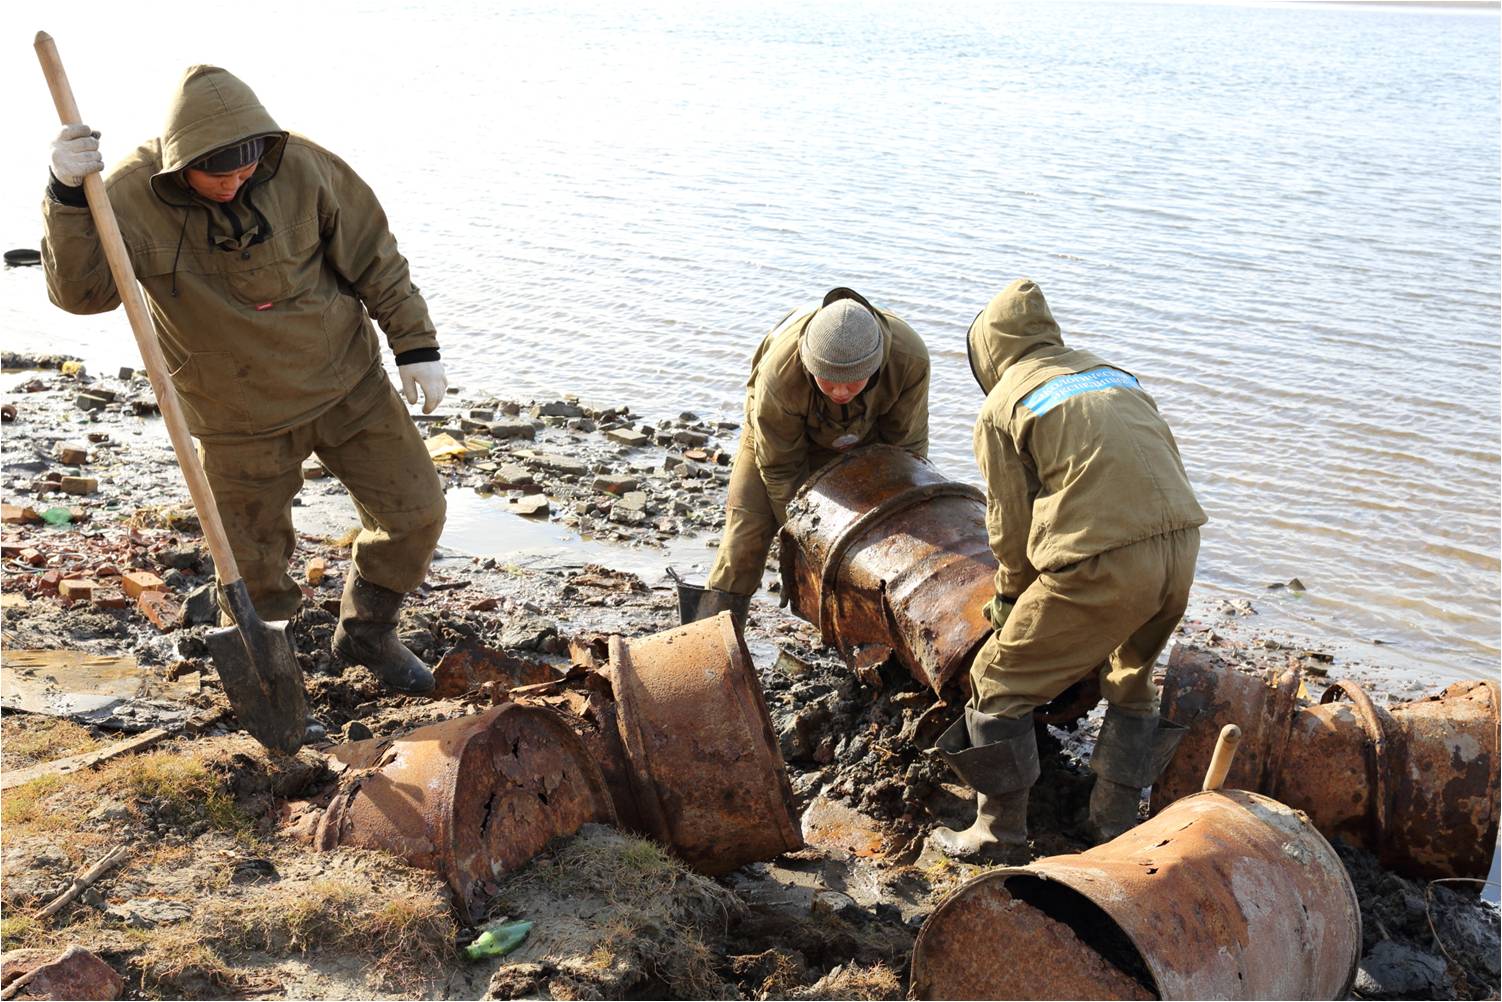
{"points": [[66, 194], [417, 355]]}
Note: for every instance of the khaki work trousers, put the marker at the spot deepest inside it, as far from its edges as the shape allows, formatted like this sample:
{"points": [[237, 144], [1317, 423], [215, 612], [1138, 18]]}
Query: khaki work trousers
{"points": [[369, 442], [1114, 612], [750, 523]]}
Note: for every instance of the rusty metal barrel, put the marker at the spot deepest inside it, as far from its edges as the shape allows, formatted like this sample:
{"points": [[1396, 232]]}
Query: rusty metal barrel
{"points": [[1415, 783], [704, 772], [1224, 895], [471, 798], [880, 548]]}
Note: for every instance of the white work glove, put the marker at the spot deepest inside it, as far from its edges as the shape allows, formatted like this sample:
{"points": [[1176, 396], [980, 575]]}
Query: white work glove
{"points": [[75, 155], [428, 375]]}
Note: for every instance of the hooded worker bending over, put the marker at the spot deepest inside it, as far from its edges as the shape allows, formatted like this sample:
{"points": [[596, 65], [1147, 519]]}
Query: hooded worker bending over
{"points": [[827, 379], [1095, 527], [264, 258]]}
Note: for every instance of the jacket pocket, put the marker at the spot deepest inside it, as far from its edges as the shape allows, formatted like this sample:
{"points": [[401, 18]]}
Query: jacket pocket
{"points": [[211, 393], [282, 268]]}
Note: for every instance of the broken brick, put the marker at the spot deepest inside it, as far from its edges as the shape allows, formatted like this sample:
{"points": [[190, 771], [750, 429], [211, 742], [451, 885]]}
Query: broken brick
{"points": [[111, 598], [107, 571], [49, 581], [73, 454], [77, 589], [31, 556], [14, 514], [137, 582], [159, 607], [80, 485], [12, 548], [313, 471], [316, 569]]}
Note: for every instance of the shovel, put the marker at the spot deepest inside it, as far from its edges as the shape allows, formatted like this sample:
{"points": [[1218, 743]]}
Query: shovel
{"points": [[256, 663]]}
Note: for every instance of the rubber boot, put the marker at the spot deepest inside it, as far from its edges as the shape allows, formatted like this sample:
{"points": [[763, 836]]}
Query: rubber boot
{"points": [[998, 758], [712, 602], [366, 635], [1132, 751]]}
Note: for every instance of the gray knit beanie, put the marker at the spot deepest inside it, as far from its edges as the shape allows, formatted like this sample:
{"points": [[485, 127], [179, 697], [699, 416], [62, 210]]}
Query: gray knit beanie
{"points": [[232, 157], [842, 343]]}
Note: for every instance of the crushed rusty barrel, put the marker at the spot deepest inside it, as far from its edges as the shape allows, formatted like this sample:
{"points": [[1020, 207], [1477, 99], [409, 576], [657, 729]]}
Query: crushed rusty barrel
{"points": [[880, 549], [471, 799], [1415, 783], [704, 772], [1224, 895]]}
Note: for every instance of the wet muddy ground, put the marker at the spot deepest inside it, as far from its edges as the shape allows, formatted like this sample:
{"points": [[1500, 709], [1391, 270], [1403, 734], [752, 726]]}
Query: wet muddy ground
{"points": [[564, 519]]}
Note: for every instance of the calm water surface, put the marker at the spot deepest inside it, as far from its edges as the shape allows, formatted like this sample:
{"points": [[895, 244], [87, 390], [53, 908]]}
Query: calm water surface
{"points": [[1285, 221]]}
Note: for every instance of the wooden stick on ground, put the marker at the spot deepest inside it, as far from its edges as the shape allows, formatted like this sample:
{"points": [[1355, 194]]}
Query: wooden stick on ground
{"points": [[84, 880], [87, 760]]}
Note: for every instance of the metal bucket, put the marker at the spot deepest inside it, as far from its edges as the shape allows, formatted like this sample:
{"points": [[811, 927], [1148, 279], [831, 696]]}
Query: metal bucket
{"points": [[704, 773], [471, 798], [1415, 783], [1224, 895], [879, 548]]}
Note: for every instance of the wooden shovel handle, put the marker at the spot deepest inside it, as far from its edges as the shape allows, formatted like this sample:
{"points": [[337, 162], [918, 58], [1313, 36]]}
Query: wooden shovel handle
{"points": [[141, 324], [1224, 754]]}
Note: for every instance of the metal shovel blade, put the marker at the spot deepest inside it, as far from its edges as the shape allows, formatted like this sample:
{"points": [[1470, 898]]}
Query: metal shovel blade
{"points": [[258, 668]]}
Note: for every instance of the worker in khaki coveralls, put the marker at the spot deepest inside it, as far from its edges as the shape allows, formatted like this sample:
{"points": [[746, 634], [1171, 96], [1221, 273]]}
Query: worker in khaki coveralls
{"points": [[264, 257], [827, 379], [1095, 528]]}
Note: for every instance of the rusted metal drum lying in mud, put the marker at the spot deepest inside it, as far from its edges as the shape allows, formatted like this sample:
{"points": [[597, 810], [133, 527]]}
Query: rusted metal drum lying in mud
{"points": [[703, 774], [1224, 895], [880, 548], [1415, 783], [471, 798]]}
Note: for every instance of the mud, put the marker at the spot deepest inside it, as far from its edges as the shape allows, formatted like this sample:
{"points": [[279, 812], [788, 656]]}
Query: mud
{"points": [[834, 920]]}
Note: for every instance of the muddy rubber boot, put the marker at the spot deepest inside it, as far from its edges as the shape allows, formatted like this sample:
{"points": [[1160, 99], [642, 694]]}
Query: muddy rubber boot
{"points": [[1132, 751], [712, 602], [366, 635], [998, 758]]}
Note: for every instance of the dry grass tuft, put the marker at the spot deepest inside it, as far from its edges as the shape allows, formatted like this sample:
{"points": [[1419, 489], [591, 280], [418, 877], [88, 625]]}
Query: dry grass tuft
{"points": [[403, 927], [854, 981], [184, 789], [28, 739]]}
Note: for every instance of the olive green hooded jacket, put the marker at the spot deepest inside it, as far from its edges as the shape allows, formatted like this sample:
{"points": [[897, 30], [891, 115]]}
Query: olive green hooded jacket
{"points": [[1076, 458], [262, 305], [794, 426]]}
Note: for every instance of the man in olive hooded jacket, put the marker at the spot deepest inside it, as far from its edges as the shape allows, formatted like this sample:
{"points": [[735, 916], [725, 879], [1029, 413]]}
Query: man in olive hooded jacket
{"points": [[830, 377], [264, 259], [1095, 528]]}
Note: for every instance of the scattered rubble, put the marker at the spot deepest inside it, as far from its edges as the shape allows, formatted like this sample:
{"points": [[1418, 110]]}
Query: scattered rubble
{"points": [[212, 821]]}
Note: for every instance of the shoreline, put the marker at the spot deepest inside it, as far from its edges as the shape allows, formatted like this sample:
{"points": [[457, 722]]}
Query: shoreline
{"points": [[620, 510]]}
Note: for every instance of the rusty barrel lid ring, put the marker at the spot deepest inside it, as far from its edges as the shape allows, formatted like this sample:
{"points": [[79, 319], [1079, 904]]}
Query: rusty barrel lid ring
{"points": [[879, 512], [1374, 720]]}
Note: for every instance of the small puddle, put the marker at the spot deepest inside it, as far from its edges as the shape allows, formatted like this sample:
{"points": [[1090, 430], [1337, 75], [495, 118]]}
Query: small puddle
{"points": [[477, 526]]}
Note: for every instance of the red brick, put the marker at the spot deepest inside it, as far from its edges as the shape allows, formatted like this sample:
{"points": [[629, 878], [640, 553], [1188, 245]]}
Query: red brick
{"points": [[136, 582], [32, 557], [80, 485], [110, 598], [14, 514], [106, 571], [77, 589], [49, 581], [159, 607], [73, 454], [317, 568]]}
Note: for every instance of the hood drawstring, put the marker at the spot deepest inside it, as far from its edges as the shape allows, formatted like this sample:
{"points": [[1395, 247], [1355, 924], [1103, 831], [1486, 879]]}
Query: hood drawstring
{"points": [[179, 252]]}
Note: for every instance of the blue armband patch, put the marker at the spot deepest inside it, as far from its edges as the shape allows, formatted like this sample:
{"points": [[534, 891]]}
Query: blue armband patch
{"points": [[1060, 388]]}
